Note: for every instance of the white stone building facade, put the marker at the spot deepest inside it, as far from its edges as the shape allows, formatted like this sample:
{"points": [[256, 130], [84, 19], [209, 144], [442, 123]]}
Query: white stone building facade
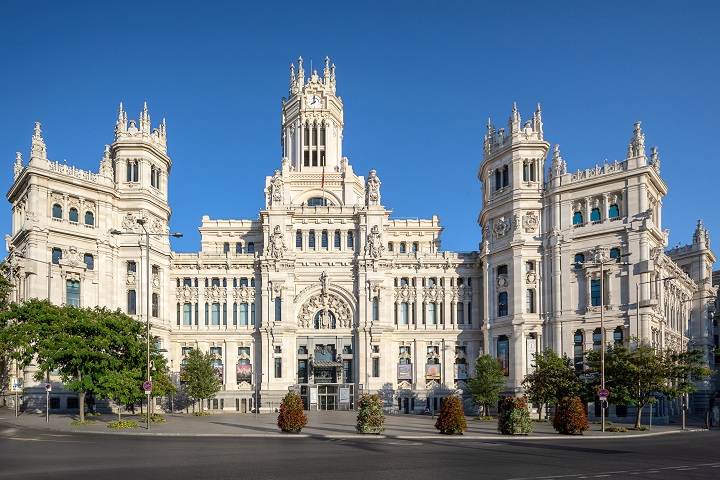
{"points": [[327, 294]]}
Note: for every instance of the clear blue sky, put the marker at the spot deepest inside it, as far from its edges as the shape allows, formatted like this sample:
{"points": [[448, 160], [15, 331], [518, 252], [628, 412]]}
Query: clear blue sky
{"points": [[418, 79]]}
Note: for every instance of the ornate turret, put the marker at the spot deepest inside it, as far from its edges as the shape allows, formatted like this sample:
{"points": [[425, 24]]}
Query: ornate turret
{"points": [[141, 130], [531, 130], [37, 148], [701, 237], [17, 169], [636, 148]]}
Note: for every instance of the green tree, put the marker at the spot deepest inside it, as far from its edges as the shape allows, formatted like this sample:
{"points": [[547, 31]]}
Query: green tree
{"points": [[5, 286], [487, 383], [632, 375], [95, 350], [554, 378], [200, 376]]}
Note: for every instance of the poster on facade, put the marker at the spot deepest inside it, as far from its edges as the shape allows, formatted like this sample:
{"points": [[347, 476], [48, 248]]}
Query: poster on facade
{"points": [[16, 384], [244, 373], [404, 371], [461, 371], [432, 372], [313, 396], [219, 370], [344, 396], [503, 354]]}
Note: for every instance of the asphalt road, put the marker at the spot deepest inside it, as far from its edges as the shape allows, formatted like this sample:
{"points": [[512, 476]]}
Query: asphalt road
{"points": [[27, 453]]}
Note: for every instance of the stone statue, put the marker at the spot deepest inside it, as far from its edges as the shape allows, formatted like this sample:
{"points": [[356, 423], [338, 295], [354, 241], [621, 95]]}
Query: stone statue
{"points": [[372, 189], [374, 246], [324, 282], [276, 189], [277, 247]]}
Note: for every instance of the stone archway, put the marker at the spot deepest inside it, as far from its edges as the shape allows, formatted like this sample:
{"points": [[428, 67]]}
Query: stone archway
{"points": [[325, 311]]}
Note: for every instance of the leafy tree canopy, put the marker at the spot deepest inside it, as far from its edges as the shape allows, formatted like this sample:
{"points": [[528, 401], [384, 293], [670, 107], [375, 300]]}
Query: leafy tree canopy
{"points": [[554, 378], [633, 374], [488, 381], [200, 375]]}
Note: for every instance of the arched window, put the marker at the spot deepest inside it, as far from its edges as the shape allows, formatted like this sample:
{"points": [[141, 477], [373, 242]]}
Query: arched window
{"points": [[498, 180], [298, 239], [578, 218], [595, 215], [402, 247], [243, 314], [155, 305], [350, 237], [57, 211], [324, 319], [238, 247], [505, 176], [89, 218], [131, 302], [403, 313], [251, 247], [502, 304], [390, 247], [215, 319], [618, 336], [614, 211], [414, 247], [72, 293], [226, 247], [73, 215], [89, 261], [579, 260], [431, 317]]}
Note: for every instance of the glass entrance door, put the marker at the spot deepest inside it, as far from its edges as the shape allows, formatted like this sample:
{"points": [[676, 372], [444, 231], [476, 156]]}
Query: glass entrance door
{"points": [[327, 397]]}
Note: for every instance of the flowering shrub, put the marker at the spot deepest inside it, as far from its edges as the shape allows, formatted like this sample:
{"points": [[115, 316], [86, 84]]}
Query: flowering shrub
{"points": [[204, 413], [451, 418], [514, 418], [154, 418], [123, 424], [570, 416], [78, 422], [292, 417], [370, 418]]}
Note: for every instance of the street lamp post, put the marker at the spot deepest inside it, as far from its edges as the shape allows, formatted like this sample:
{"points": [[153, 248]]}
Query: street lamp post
{"points": [[148, 295], [601, 260]]}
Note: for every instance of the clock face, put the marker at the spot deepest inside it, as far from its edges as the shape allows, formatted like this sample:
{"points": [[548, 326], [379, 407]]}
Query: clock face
{"points": [[314, 102]]}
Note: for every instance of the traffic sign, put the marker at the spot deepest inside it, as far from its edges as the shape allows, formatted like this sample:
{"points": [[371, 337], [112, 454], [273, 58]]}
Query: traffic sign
{"points": [[48, 387], [603, 393], [147, 385]]}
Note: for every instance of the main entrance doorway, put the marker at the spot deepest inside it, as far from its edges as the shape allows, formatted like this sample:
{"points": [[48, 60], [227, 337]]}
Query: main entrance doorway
{"points": [[328, 396]]}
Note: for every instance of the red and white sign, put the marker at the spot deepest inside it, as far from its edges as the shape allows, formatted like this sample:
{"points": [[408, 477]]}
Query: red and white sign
{"points": [[603, 393]]}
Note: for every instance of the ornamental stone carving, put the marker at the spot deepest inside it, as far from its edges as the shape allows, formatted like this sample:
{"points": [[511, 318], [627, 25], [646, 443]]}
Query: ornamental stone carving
{"points": [[502, 280], [530, 278], [406, 293], [433, 294], [17, 169], [277, 247], [374, 289], [71, 257], [325, 305], [531, 222], [372, 189], [501, 227], [277, 288], [374, 246], [244, 294], [215, 293], [187, 294]]}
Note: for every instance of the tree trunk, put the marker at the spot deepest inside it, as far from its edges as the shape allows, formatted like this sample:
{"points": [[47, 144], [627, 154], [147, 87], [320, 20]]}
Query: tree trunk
{"points": [[638, 418], [540, 410], [81, 399]]}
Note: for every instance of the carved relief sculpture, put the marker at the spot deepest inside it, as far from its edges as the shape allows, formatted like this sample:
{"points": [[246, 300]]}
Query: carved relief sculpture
{"points": [[277, 247], [374, 246], [372, 189]]}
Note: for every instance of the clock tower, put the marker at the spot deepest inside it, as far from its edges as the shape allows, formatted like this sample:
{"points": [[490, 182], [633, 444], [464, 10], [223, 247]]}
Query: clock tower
{"points": [[314, 171]]}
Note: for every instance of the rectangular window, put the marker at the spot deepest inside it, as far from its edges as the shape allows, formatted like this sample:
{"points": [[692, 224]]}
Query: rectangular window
{"points": [[298, 239], [375, 311], [131, 266], [252, 314], [243, 314], [460, 313], [403, 313], [131, 302], [350, 239], [89, 261], [347, 371], [431, 318], [375, 367], [469, 309], [56, 256], [302, 371], [278, 309], [278, 368], [595, 298], [311, 239], [238, 248], [155, 305], [224, 313], [73, 293], [187, 314], [324, 239]]}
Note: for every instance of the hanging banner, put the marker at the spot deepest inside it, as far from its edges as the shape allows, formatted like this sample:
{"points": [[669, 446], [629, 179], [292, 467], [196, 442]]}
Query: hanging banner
{"points": [[503, 354], [432, 372], [404, 371], [461, 371], [344, 395], [244, 373], [313, 396]]}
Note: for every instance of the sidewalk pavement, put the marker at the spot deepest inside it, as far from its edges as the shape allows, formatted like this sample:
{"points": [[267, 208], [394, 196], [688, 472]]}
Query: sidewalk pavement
{"points": [[328, 424]]}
